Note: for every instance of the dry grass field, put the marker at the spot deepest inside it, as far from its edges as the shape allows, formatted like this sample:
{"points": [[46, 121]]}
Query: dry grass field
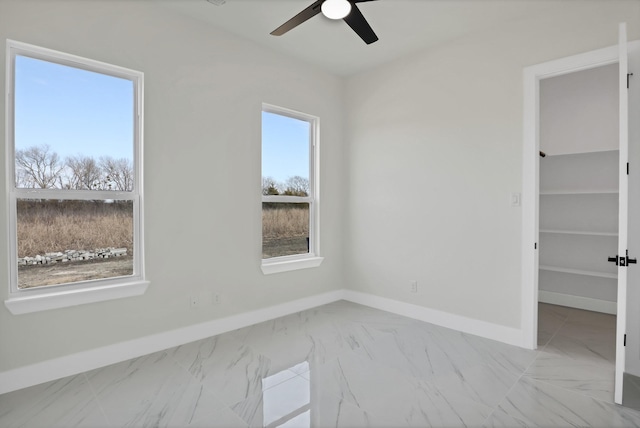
{"points": [[287, 221], [51, 226], [56, 226], [285, 229]]}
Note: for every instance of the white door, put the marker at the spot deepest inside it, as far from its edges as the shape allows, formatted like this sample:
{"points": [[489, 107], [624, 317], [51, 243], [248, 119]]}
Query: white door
{"points": [[623, 256], [628, 329]]}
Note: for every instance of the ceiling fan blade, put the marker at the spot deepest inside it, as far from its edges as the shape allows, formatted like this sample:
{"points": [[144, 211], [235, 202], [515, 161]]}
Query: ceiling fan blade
{"points": [[307, 13], [359, 24]]}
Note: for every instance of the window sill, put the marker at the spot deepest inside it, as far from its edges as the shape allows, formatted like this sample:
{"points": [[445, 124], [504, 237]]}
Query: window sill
{"points": [[279, 265], [62, 299]]}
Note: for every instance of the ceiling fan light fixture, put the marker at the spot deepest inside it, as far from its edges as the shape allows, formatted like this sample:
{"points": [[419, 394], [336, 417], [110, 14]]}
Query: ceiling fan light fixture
{"points": [[336, 9]]}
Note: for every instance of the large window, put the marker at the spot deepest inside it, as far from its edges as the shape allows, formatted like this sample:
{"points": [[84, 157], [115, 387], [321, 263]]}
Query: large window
{"points": [[74, 175], [289, 190]]}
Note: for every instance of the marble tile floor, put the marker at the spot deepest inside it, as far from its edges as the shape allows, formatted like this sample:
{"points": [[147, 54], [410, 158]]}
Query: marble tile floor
{"points": [[346, 365]]}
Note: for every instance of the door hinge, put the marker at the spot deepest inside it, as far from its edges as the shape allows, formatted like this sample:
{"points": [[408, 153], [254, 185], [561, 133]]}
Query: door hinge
{"points": [[535, 246], [628, 75], [625, 340], [627, 168]]}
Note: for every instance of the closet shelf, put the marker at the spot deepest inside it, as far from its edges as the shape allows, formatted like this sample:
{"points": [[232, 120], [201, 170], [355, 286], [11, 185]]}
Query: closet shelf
{"points": [[583, 154], [579, 192], [579, 272], [579, 232]]}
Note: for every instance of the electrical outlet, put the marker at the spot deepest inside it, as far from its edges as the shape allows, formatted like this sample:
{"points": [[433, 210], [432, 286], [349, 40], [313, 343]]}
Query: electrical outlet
{"points": [[413, 286], [194, 301]]}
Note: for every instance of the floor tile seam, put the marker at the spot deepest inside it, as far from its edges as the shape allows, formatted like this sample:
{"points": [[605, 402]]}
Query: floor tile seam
{"points": [[595, 363], [565, 391], [609, 324], [571, 392], [504, 397], [539, 353], [97, 400], [520, 377], [592, 358], [427, 383], [615, 407], [574, 391], [561, 317], [175, 361], [556, 332], [544, 350]]}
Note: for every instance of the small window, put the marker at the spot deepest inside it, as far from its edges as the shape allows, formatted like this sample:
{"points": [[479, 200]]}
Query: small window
{"points": [[289, 187], [74, 173]]}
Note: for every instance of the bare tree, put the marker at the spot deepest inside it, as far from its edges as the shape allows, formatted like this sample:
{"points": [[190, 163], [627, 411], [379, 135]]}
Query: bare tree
{"points": [[84, 173], [22, 179], [118, 173], [297, 186], [270, 186], [39, 167]]}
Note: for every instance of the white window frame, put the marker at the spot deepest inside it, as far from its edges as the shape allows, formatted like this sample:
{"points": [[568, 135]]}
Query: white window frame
{"points": [[70, 294], [312, 258]]}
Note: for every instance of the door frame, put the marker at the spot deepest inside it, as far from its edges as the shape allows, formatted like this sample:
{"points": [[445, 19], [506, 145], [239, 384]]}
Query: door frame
{"points": [[531, 174]]}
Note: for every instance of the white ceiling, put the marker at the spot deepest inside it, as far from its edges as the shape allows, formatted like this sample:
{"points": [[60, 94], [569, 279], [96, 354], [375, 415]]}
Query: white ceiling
{"points": [[403, 26]]}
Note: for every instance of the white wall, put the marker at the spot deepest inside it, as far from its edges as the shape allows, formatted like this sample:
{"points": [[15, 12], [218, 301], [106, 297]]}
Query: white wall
{"points": [[203, 95], [435, 153], [579, 111]]}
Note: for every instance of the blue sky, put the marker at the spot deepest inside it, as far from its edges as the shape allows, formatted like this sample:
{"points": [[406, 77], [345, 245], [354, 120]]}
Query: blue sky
{"points": [[285, 147], [74, 111]]}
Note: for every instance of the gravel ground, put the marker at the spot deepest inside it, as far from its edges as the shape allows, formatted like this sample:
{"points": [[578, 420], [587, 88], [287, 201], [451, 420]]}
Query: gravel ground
{"points": [[59, 273]]}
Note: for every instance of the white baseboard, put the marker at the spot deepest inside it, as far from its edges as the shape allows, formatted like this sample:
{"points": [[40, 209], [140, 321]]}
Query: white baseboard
{"points": [[45, 371], [509, 335], [579, 302]]}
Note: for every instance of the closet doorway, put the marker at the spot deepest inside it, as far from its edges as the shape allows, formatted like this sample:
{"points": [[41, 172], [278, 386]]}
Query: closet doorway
{"points": [[578, 205], [580, 179], [578, 230]]}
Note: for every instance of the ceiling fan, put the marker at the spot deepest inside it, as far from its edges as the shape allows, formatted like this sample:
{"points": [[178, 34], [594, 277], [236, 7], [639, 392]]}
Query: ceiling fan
{"points": [[333, 9]]}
